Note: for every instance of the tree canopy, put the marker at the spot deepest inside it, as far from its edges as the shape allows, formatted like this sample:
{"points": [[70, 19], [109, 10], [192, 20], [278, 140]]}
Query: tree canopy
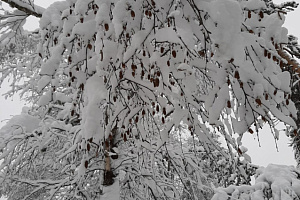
{"points": [[130, 98]]}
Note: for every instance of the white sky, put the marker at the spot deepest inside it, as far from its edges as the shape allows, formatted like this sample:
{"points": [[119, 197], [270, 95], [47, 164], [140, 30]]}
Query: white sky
{"points": [[260, 155]]}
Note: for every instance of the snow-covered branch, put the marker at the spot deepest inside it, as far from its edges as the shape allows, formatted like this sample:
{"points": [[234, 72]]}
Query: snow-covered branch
{"points": [[133, 96], [33, 10], [276, 182]]}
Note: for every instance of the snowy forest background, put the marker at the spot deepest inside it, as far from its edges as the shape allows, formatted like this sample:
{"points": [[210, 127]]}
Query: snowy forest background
{"points": [[189, 85]]}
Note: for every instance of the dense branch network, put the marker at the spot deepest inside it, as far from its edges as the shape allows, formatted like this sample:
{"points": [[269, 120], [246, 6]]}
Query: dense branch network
{"points": [[130, 97]]}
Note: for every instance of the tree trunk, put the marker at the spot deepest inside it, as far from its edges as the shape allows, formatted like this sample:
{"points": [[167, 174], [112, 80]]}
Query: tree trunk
{"points": [[108, 174], [109, 143]]}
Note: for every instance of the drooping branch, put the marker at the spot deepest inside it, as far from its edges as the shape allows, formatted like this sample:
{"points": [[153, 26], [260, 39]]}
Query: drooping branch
{"points": [[35, 10]]}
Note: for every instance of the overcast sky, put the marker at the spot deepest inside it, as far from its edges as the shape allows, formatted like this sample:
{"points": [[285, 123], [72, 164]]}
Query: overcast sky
{"points": [[260, 155]]}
